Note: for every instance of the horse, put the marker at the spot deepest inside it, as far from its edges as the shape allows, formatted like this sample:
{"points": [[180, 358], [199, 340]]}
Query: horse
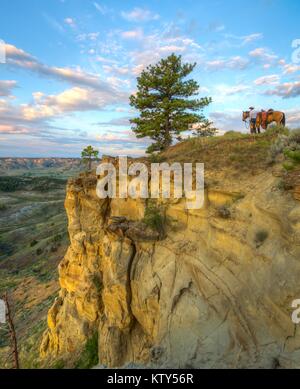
{"points": [[263, 119], [253, 128]]}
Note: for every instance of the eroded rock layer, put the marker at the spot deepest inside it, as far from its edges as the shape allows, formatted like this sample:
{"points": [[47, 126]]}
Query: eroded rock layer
{"points": [[215, 291]]}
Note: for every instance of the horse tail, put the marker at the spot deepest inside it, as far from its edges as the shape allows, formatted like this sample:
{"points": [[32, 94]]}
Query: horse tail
{"points": [[283, 119]]}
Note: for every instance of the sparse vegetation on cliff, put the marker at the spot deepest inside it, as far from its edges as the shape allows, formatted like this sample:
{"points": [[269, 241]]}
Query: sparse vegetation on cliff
{"points": [[89, 355], [153, 217]]}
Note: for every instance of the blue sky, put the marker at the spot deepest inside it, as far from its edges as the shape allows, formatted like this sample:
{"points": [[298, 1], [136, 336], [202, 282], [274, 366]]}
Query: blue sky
{"points": [[72, 64]]}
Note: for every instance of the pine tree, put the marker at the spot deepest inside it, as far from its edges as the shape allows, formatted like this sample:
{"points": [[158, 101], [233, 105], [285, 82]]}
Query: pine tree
{"points": [[88, 155], [163, 101], [205, 129]]}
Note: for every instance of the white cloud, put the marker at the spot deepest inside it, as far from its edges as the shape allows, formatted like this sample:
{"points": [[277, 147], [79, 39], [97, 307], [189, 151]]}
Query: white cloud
{"points": [[139, 15], [228, 121], [233, 63], [263, 55], [272, 79], [103, 9], [6, 87], [229, 90], [291, 68], [19, 58], [92, 36], [285, 90], [293, 117], [239, 41], [251, 38], [117, 70], [71, 100], [70, 22], [132, 34]]}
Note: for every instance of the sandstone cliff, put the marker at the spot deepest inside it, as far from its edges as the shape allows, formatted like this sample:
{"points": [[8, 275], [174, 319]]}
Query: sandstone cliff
{"points": [[215, 291]]}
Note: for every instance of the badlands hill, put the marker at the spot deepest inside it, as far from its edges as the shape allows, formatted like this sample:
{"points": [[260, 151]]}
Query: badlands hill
{"points": [[9, 166], [214, 290]]}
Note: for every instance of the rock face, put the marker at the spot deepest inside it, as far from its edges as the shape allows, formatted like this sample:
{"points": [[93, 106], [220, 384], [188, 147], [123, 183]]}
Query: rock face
{"points": [[216, 291]]}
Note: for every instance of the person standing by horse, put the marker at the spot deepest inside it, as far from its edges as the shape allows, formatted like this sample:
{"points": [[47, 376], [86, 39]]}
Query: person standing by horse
{"points": [[252, 116], [263, 119]]}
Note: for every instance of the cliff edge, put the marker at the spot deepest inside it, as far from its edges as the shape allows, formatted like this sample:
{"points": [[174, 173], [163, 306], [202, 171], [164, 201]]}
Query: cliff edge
{"points": [[214, 291]]}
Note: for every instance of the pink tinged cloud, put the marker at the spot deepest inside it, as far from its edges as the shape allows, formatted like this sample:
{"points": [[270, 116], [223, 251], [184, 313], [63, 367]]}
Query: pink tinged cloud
{"points": [[272, 79], [285, 90], [6, 87]]}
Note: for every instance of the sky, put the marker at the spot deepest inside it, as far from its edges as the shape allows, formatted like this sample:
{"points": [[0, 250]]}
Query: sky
{"points": [[68, 67]]}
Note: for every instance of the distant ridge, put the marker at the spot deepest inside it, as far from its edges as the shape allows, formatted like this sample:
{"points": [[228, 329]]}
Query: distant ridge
{"points": [[10, 164]]}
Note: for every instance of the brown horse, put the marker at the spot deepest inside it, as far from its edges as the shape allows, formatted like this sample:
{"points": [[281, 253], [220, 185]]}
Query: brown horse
{"points": [[265, 118]]}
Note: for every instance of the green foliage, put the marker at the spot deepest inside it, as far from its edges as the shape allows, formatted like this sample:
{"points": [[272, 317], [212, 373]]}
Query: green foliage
{"points": [[153, 217], [59, 364], [6, 248], [3, 207], [224, 212], [97, 282], [57, 238], [39, 251], [89, 154], [260, 237], [295, 136], [40, 184], [287, 144], [293, 155], [205, 129], [33, 242], [89, 356], [162, 99], [155, 158], [276, 130], [233, 134], [288, 165]]}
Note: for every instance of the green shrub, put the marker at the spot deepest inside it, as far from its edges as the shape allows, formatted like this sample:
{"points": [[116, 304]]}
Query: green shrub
{"points": [[57, 238], [295, 136], [293, 155], [260, 237], [234, 134], [33, 242], [3, 207], [288, 144], [60, 364], [277, 147], [156, 158], [89, 356], [273, 130], [153, 217], [97, 282], [288, 165], [224, 212], [39, 251]]}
